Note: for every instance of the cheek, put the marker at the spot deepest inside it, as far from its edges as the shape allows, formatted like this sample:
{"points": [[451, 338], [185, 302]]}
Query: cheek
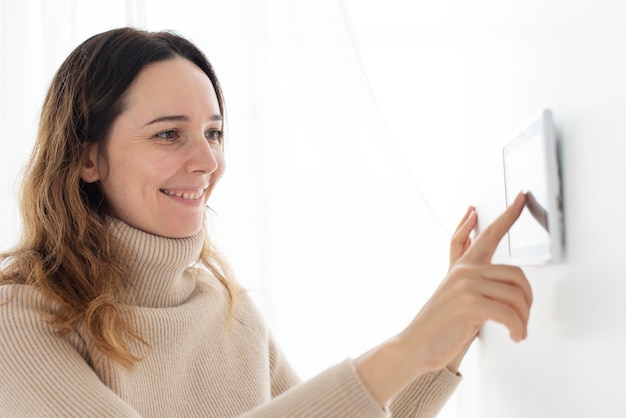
{"points": [[133, 173]]}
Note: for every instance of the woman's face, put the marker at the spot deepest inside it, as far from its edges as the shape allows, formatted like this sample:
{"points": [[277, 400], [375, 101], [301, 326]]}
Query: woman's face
{"points": [[163, 153]]}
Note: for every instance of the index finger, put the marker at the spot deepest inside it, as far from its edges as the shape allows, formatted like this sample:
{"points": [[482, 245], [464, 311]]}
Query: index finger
{"points": [[487, 241]]}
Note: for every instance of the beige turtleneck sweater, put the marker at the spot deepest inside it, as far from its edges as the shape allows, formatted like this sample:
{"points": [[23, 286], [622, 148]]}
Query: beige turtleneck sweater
{"points": [[198, 364]]}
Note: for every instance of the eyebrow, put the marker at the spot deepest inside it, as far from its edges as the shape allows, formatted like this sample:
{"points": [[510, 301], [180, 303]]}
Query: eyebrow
{"points": [[179, 118]]}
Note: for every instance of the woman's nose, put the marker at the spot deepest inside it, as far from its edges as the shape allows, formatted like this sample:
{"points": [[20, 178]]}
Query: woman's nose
{"points": [[202, 155]]}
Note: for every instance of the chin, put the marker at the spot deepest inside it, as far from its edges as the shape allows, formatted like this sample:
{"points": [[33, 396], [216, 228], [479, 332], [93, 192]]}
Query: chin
{"points": [[184, 231]]}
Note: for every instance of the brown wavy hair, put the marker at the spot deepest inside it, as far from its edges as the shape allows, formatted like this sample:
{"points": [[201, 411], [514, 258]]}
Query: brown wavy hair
{"points": [[66, 250]]}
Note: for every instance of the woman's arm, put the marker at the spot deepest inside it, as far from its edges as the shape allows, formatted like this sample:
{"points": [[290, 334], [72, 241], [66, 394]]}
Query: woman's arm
{"points": [[473, 292]]}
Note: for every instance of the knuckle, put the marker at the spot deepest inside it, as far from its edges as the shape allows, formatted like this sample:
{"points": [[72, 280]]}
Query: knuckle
{"points": [[518, 272], [461, 270], [457, 238], [466, 285], [519, 296], [470, 300]]}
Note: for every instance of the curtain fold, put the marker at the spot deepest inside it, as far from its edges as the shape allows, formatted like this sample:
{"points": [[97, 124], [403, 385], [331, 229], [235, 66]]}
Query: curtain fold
{"points": [[346, 247]]}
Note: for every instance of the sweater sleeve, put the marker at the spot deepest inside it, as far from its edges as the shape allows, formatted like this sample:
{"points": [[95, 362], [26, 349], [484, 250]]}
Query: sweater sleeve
{"points": [[336, 392], [43, 374], [425, 397], [340, 392]]}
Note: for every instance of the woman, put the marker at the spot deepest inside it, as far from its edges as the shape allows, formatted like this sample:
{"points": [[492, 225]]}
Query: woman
{"points": [[114, 303]]}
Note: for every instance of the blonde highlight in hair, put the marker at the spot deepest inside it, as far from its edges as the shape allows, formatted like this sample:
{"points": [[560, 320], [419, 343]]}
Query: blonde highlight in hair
{"points": [[66, 251]]}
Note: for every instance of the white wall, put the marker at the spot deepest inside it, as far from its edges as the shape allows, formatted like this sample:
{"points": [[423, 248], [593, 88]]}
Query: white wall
{"points": [[510, 59], [568, 56]]}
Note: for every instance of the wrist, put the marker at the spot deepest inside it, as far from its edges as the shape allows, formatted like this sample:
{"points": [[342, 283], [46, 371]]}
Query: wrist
{"points": [[388, 368]]}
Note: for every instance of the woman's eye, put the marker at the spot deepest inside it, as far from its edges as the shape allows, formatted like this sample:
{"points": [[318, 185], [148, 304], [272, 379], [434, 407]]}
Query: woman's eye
{"points": [[215, 135], [168, 135]]}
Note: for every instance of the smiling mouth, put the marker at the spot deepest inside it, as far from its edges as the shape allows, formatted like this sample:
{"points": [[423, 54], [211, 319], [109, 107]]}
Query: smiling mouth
{"points": [[187, 195]]}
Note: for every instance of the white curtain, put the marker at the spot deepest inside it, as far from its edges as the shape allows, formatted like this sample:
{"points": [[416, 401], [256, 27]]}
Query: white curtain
{"points": [[318, 213]]}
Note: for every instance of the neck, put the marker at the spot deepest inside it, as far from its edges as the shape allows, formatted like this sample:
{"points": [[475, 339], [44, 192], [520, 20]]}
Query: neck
{"points": [[159, 265]]}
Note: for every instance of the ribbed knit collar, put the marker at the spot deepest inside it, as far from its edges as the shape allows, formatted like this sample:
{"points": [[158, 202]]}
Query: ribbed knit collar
{"points": [[160, 277]]}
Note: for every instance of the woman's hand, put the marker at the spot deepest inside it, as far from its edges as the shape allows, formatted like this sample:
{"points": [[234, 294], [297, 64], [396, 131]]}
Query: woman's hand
{"points": [[473, 292]]}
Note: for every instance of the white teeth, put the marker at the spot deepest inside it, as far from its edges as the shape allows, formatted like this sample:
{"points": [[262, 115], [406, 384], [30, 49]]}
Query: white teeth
{"points": [[185, 195]]}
